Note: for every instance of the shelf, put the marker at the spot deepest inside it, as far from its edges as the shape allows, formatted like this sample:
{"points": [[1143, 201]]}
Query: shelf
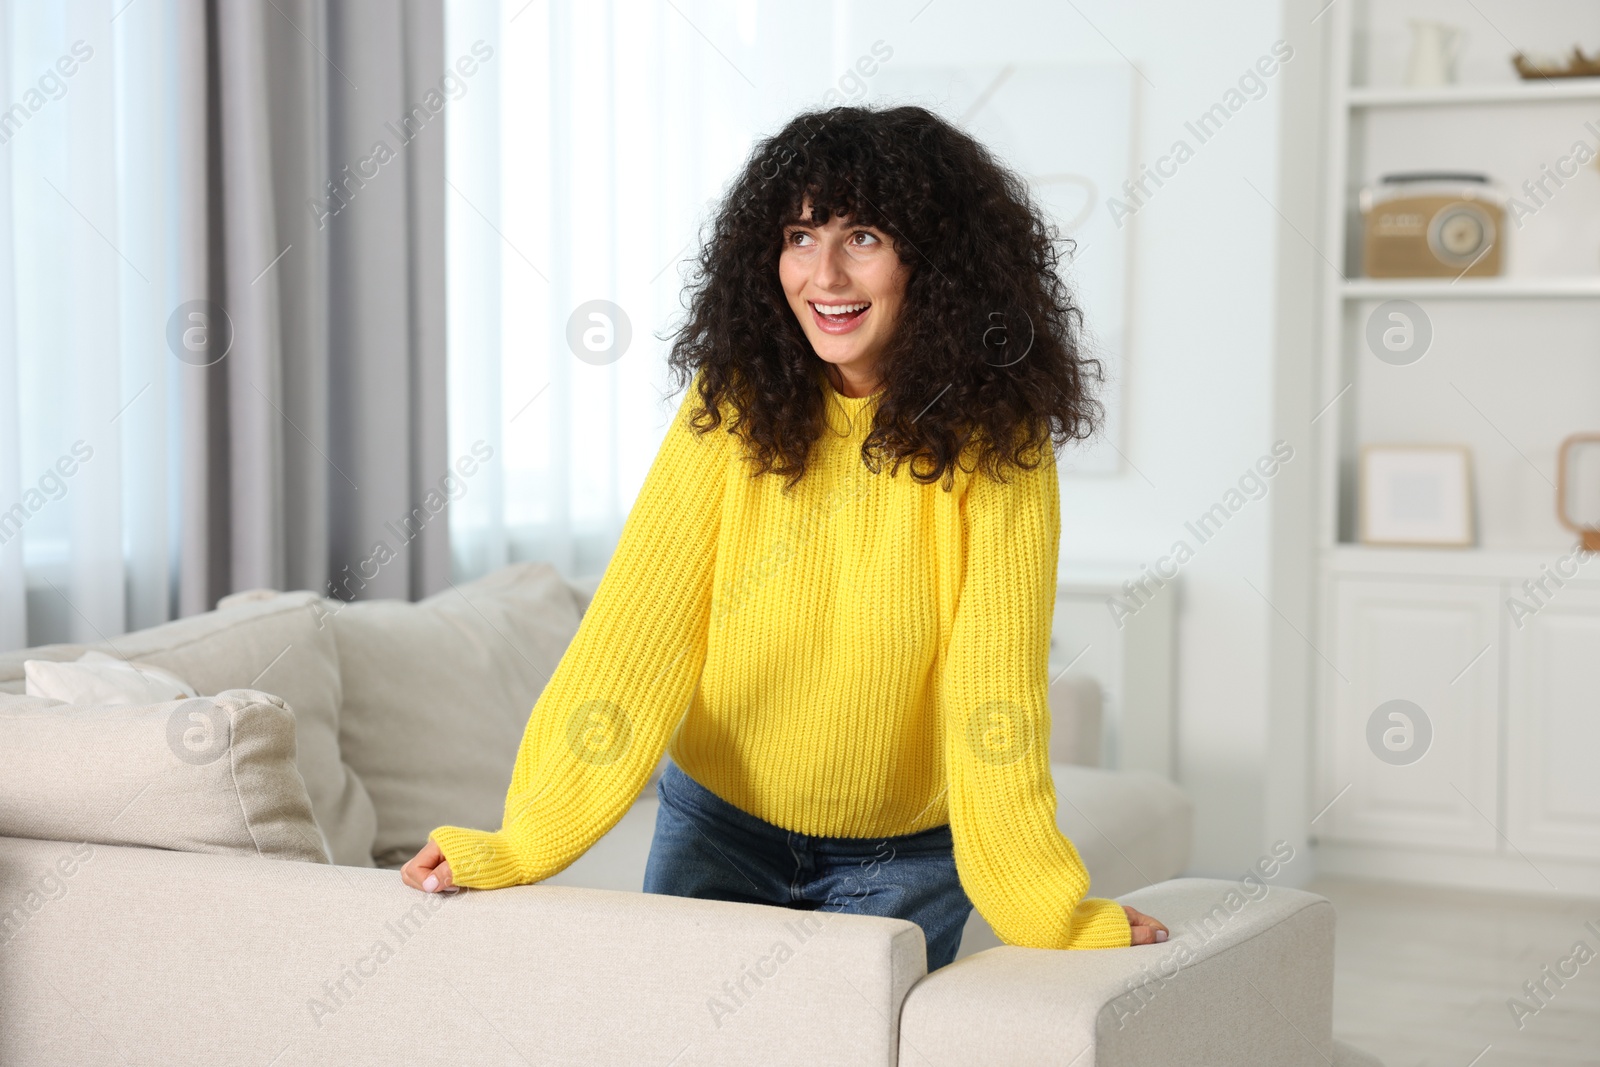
{"points": [[1450, 563], [1471, 288], [1553, 90]]}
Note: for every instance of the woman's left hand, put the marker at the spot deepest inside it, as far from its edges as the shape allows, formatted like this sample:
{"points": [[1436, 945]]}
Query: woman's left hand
{"points": [[1146, 931]]}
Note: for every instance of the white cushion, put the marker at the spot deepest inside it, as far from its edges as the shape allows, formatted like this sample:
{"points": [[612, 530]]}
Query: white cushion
{"points": [[209, 774], [437, 696], [96, 678]]}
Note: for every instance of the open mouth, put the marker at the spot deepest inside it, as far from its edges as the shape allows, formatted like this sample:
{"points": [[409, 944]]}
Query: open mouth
{"points": [[839, 318]]}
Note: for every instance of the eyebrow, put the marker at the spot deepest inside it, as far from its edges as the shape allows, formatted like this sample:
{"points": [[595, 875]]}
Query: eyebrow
{"points": [[805, 224]]}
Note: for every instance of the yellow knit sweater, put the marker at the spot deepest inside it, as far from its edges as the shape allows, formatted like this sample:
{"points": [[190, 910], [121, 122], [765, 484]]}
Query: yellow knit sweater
{"points": [[871, 660]]}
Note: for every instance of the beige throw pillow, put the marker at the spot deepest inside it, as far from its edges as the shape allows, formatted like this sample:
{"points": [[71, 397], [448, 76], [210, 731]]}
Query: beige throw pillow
{"points": [[208, 774], [437, 695], [279, 643]]}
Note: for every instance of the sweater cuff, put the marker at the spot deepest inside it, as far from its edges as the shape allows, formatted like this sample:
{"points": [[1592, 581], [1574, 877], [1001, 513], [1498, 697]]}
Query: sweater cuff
{"points": [[1096, 923], [479, 859]]}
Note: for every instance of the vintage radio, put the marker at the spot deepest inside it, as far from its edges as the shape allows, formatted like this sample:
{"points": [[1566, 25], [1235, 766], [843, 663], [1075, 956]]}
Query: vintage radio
{"points": [[1432, 224]]}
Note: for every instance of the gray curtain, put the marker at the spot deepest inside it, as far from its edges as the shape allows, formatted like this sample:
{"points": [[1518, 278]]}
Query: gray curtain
{"points": [[313, 449]]}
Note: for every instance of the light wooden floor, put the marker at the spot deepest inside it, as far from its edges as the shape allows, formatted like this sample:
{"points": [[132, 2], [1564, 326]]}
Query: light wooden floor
{"points": [[1422, 976]]}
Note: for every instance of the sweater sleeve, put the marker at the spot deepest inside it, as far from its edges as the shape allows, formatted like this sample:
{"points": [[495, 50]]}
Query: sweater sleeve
{"points": [[624, 682], [1020, 871]]}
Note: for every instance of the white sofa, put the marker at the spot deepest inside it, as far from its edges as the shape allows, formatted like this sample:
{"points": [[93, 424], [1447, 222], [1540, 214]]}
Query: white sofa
{"points": [[118, 953]]}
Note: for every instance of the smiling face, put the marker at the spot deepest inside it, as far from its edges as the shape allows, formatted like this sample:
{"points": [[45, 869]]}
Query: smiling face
{"points": [[846, 285]]}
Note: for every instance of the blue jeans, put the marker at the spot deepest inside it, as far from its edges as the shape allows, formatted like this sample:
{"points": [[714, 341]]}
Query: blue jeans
{"points": [[706, 847]]}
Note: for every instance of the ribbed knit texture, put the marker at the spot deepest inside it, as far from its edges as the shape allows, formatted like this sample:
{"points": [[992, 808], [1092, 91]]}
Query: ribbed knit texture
{"points": [[871, 658]]}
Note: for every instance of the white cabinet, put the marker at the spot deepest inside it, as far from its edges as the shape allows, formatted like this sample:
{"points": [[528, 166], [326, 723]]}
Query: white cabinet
{"points": [[1413, 688], [1506, 794], [1553, 727]]}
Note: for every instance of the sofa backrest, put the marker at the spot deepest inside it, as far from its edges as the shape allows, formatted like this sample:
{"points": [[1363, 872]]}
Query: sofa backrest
{"points": [[171, 957]]}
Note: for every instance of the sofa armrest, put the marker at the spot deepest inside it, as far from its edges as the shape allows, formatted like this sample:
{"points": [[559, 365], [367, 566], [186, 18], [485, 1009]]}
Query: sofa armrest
{"points": [[1246, 980], [129, 955]]}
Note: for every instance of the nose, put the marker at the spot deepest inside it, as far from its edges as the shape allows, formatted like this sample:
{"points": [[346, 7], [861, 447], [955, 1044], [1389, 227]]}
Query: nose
{"points": [[831, 271]]}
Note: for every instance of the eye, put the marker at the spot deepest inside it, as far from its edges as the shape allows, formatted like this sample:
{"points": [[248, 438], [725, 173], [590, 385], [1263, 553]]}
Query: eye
{"points": [[797, 237], [871, 238]]}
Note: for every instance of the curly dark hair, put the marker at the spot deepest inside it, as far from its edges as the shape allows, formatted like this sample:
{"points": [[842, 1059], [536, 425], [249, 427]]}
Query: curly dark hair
{"points": [[984, 359]]}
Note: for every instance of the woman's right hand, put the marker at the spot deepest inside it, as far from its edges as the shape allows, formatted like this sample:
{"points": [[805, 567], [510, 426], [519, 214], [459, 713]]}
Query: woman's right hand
{"points": [[428, 871]]}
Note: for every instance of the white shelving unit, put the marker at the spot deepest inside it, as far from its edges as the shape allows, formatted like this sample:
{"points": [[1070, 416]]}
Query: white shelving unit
{"points": [[1377, 289], [1506, 795], [1456, 95]]}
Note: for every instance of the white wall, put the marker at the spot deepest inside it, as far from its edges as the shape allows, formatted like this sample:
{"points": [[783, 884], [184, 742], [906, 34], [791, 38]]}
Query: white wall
{"points": [[1204, 396]]}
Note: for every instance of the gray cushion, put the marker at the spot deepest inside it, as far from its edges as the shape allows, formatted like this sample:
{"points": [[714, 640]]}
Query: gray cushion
{"points": [[437, 696], [1076, 713]]}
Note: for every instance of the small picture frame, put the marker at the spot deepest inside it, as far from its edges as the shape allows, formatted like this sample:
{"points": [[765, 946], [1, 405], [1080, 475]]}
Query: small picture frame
{"points": [[1416, 495]]}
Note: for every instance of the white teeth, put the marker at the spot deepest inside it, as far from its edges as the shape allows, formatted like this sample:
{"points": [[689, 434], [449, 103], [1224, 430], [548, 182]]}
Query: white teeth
{"points": [[839, 309]]}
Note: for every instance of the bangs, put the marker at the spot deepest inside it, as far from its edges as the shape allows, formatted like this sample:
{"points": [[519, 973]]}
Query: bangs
{"points": [[832, 172], [828, 200]]}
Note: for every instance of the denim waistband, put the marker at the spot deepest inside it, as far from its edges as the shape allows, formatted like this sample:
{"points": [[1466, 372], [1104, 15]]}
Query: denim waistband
{"points": [[685, 790]]}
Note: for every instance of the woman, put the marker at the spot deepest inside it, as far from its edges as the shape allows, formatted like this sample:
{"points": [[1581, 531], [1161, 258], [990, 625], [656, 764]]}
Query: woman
{"points": [[831, 602]]}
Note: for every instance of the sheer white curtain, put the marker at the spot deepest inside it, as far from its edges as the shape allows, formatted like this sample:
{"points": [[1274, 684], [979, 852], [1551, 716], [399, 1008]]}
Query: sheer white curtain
{"points": [[168, 173], [580, 169], [92, 195]]}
